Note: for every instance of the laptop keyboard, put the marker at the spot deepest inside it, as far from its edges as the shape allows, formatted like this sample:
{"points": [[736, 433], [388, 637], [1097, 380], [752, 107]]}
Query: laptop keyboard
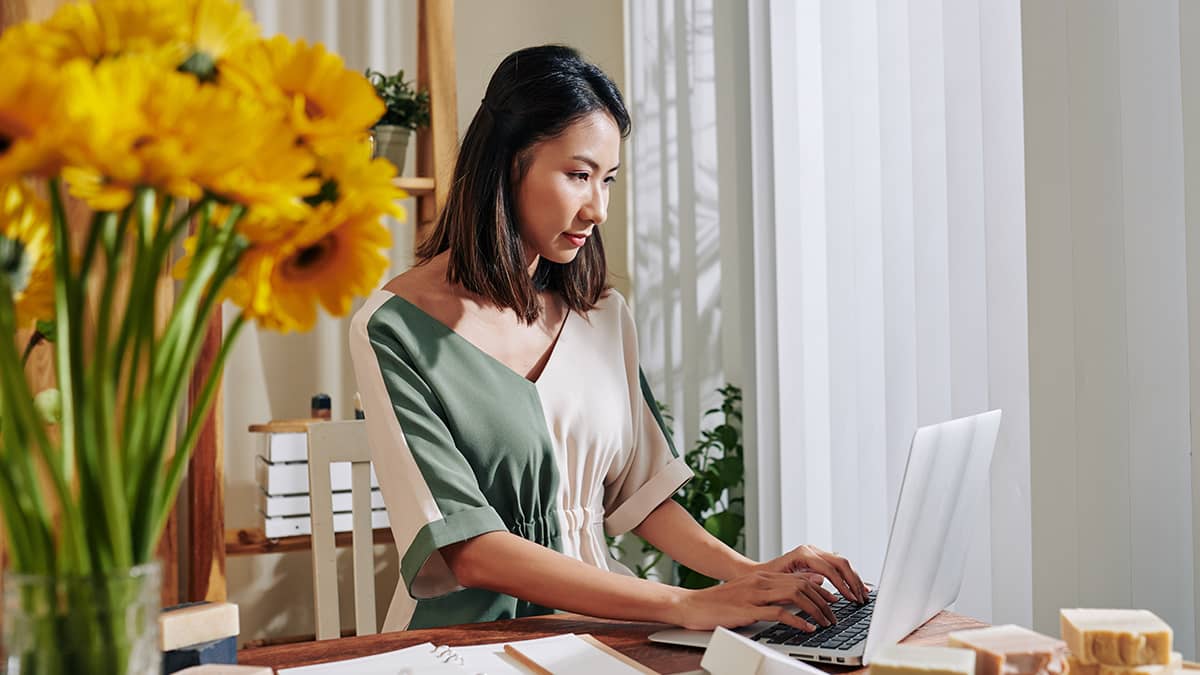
{"points": [[850, 629]]}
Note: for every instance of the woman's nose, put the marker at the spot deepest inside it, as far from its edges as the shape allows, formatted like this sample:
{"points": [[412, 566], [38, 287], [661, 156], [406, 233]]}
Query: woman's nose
{"points": [[596, 209]]}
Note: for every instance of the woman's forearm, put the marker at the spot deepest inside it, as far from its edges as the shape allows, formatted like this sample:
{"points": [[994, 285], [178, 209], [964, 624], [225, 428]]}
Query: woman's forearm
{"points": [[672, 530], [506, 563]]}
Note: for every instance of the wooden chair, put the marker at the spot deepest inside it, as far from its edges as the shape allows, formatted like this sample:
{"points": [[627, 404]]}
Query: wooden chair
{"points": [[330, 442]]}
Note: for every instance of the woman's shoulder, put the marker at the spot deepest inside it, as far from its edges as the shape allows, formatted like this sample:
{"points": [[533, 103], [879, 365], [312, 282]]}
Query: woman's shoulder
{"points": [[389, 310]]}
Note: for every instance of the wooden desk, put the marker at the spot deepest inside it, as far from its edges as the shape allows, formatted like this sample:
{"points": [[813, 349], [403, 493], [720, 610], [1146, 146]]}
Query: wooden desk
{"points": [[627, 638]]}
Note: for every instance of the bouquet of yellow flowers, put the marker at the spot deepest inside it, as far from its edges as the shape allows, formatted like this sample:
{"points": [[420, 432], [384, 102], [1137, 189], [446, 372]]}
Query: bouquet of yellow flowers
{"points": [[180, 128]]}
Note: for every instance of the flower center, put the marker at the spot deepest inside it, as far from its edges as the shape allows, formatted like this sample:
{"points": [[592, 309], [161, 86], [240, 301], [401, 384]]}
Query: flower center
{"points": [[312, 109], [14, 264], [310, 259], [202, 65], [327, 193]]}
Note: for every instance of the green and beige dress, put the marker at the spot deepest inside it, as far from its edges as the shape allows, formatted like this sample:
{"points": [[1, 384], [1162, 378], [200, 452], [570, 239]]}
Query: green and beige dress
{"points": [[463, 445]]}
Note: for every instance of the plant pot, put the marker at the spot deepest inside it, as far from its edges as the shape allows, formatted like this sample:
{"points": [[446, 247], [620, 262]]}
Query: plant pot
{"points": [[391, 143], [105, 623]]}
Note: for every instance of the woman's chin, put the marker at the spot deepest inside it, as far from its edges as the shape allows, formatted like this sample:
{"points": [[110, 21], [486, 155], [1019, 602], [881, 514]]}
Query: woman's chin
{"points": [[561, 257]]}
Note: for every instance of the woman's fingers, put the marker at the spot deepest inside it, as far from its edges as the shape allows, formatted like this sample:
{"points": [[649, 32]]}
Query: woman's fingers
{"points": [[783, 616], [810, 600], [839, 582]]}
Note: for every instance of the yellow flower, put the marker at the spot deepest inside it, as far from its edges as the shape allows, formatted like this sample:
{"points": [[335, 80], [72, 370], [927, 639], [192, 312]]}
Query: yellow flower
{"points": [[138, 124], [327, 103], [31, 126], [215, 28], [188, 34], [329, 261], [26, 253], [350, 184], [92, 31]]}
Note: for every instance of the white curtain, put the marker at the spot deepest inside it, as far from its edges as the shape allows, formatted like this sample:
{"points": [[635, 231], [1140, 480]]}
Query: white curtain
{"points": [[1113, 186], [886, 227], [676, 234], [900, 276]]}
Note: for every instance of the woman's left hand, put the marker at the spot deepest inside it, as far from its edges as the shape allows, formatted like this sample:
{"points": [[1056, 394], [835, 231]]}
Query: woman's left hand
{"points": [[810, 560]]}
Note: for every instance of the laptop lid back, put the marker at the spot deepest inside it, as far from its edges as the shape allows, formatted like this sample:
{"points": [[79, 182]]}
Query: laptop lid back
{"points": [[945, 481]]}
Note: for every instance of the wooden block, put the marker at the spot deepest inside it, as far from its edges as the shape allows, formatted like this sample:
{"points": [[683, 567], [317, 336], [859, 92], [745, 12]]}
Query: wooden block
{"points": [[222, 652], [197, 623], [1116, 637], [914, 660], [1012, 650]]}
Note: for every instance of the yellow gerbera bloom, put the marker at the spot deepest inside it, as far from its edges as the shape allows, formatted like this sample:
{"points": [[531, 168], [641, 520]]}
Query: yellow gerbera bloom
{"points": [[26, 253], [350, 184], [214, 29], [327, 102], [92, 31], [31, 127], [332, 262], [138, 124]]}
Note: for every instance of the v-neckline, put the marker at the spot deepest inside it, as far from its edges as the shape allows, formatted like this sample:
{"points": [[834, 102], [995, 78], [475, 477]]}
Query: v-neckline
{"points": [[479, 350]]}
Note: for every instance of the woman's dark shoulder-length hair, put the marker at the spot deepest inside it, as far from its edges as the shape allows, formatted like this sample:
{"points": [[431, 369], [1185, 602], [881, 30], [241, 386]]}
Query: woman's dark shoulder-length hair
{"points": [[534, 95]]}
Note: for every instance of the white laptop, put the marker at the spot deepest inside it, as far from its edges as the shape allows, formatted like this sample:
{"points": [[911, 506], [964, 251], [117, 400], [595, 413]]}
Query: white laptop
{"points": [[945, 480]]}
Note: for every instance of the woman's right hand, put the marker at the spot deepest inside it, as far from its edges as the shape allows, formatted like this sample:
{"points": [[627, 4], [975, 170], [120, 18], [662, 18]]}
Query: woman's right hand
{"points": [[757, 596]]}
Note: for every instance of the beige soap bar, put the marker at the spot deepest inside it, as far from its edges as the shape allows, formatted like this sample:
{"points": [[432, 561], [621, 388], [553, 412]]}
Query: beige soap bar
{"points": [[1077, 667], [914, 660], [1172, 666], [1012, 650], [1116, 637]]}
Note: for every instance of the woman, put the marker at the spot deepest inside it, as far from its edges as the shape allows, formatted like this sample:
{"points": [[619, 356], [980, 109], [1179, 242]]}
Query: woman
{"points": [[509, 421]]}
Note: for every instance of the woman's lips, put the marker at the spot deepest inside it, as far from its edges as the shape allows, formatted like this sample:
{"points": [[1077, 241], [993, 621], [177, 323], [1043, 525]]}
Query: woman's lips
{"points": [[576, 240]]}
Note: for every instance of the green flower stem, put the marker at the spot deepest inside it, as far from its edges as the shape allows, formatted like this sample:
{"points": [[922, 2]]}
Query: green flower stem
{"points": [[154, 247], [176, 385], [165, 362], [67, 346], [126, 367], [102, 406], [180, 348], [26, 430], [196, 416]]}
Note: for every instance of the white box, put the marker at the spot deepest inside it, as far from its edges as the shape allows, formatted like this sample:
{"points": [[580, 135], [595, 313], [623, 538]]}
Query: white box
{"points": [[275, 528], [297, 505], [292, 478], [283, 446]]}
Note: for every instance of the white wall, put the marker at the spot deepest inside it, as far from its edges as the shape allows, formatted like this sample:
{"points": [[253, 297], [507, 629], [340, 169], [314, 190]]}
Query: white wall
{"points": [[1109, 338], [271, 376]]}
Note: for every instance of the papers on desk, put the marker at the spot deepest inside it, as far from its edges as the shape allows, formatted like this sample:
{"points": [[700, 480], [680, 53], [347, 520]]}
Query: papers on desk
{"points": [[578, 655]]}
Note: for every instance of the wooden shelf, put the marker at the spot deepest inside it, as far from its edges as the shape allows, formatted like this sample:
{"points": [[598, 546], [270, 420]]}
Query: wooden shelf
{"points": [[415, 187], [253, 541]]}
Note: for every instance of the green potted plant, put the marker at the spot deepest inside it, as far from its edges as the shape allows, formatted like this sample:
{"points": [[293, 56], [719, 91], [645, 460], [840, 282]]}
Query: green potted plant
{"points": [[407, 111]]}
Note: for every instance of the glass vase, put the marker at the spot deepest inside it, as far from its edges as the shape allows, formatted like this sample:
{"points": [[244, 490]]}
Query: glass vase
{"points": [[103, 623]]}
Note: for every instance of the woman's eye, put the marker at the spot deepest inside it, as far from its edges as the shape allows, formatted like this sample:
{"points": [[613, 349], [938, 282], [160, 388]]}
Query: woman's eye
{"points": [[610, 180], [579, 175]]}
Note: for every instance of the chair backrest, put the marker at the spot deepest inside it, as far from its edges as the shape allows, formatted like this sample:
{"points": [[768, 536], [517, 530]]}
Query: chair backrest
{"points": [[330, 442]]}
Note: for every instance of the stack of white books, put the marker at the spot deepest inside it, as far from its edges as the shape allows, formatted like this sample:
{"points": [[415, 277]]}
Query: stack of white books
{"points": [[281, 469]]}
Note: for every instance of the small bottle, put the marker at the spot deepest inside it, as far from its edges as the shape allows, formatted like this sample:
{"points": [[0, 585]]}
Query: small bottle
{"points": [[322, 407]]}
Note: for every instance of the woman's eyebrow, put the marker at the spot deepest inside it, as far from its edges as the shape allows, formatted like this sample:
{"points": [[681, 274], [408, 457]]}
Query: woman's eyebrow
{"points": [[592, 163]]}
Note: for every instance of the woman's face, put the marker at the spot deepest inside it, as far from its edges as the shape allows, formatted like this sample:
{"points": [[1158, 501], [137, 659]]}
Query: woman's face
{"points": [[563, 195]]}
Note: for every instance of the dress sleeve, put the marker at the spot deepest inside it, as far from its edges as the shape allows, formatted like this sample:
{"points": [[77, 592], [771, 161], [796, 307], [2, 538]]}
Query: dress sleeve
{"points": [[432, 496], [653, 470]]}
